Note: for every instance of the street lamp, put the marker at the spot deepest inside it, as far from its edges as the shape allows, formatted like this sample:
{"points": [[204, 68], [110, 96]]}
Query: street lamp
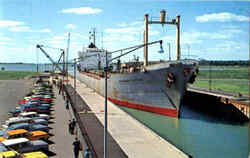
{"points": [[169, 51], [75, 80], [105, 108], [74, 64], [188, 46]]}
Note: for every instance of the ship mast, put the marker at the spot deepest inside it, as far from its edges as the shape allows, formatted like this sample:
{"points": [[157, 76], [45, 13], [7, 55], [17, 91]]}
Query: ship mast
{"points": [[162, 21], [92, 35]]}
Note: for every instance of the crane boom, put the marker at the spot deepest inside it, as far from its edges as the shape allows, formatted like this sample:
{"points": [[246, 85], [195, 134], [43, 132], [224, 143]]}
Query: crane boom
{"points": [[47, 55]]}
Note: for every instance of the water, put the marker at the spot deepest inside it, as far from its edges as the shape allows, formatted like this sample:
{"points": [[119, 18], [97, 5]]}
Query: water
{"points": [[30, 67], [199, 135]]}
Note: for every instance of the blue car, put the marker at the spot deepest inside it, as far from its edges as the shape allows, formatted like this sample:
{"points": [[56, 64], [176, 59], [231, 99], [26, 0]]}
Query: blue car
{"points": [[15, 112], [2, 148], [27, 126], [19, 126], [13, 127], [41, 122], [39, 127]]}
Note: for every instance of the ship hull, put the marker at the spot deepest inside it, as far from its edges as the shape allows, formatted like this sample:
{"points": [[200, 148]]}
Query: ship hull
{"points": [[149, 90]]}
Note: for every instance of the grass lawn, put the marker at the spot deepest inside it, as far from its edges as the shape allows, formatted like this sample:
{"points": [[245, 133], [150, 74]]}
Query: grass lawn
{"points": [[224, 78], [224, 72], [234, 86], [14, 75]]}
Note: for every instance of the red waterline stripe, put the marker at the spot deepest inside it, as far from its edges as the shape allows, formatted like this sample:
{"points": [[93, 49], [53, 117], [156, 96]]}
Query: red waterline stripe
{"points": [[158, 110]]}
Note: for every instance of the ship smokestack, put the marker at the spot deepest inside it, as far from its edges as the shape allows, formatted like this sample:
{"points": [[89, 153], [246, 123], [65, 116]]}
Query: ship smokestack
{"points": [[162, 16]]}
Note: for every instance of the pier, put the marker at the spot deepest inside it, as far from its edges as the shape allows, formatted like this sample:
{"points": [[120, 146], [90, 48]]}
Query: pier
{"points": [[127, 137], [239, 101]]}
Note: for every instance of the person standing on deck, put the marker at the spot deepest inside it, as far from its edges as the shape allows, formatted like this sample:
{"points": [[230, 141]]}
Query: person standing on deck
{"points": [[76, 145]]}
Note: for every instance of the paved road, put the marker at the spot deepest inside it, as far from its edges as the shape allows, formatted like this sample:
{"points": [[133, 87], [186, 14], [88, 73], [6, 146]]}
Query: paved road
{"points": [[10, 92]]}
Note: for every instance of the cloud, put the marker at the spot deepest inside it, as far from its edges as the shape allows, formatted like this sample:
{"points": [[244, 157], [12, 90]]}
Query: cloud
{"points": [[196, 37], [20, 29], [70, 26], [45, 30], [7, 23], [221, 17], [122, 30], [130, 24], [82, 10], [78, 36], [4, 39], [153, 32], [27, 29], [234, 31], [59, 37], [228, 47], [124, 38], [3, 43]]}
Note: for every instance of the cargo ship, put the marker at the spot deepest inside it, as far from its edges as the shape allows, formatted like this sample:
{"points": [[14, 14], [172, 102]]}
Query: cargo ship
{"points": [[153, 86]]}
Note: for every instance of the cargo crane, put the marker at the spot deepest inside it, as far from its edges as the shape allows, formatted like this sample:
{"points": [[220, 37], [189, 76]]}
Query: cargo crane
{"points": [[52, 61]]}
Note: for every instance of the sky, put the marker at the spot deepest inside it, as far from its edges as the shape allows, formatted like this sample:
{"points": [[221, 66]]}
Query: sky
{"points": [[209, 30]]}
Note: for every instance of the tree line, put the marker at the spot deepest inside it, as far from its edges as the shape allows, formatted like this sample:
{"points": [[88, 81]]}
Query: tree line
{"points": [[225, 63]]}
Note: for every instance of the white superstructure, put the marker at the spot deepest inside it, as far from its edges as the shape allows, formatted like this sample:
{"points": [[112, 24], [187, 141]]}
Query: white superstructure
{"points": [[92, 58]]}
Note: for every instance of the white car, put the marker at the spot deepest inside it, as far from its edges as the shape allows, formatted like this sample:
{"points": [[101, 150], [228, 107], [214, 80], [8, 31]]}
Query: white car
{"points": [[23, 145], [34, 115], [15, 120]]}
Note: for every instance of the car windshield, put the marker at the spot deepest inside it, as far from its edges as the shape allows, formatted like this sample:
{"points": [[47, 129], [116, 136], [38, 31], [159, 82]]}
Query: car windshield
{"points": [[19, 145]]}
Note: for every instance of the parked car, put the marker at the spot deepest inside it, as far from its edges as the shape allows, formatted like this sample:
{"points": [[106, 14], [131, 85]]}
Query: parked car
{"points": [[29, 107], [24, 101], [46, 104], [22, 133], [38, 135], [10, 154], [27, 126], [43, 110], [40, 121], [23, 145], [17, 126], [3, 148], [14, 112], [34, 115], [38, 127], [37, 154], [15, 120]]}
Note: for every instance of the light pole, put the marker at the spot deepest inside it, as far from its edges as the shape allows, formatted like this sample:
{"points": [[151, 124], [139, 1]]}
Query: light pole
{"points": [[169, 51], [75, 80], [67, 59], [210, 76], [188, 46], [105, 108]]}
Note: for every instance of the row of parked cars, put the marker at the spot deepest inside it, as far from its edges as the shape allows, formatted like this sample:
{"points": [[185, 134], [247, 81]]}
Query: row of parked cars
{"points": [[26, 133]]}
